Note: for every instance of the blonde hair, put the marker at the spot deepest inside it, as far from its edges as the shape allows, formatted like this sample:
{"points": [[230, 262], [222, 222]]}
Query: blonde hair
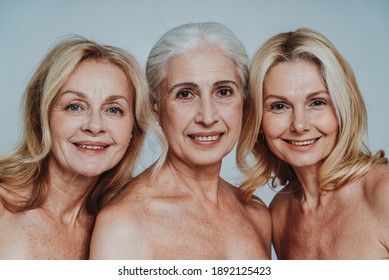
{"points": [[186, 38], [351, 157], [28, 162]]}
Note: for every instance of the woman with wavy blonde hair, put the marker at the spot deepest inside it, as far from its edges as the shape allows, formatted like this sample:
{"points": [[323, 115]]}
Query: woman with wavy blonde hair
{"points": [[312, 141], [85, 115]]}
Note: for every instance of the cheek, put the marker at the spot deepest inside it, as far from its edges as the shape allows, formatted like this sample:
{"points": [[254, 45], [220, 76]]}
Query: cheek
{"points": [[62, 127], [122, 130], [175, 120], [329, 124], [273, 125]]}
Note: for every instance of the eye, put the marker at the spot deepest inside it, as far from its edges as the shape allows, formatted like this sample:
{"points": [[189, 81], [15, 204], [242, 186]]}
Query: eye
{"points": [[225, 92], [73, 107], [278, 107], [184, 94], [318, 102], [115, 110]]}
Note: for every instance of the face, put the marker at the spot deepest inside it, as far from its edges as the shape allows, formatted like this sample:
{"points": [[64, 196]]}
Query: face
{"points": [[299, 122], [201, 107], [91, 122]]}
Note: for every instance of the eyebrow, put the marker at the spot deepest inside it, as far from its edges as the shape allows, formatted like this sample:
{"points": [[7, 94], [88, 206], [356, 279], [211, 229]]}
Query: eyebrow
{"points": [[83, 95], [285, 99], [194, 85]]}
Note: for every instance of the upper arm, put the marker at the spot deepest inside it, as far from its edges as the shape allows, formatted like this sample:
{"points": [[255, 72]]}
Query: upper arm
{"points": [[116, 235]]}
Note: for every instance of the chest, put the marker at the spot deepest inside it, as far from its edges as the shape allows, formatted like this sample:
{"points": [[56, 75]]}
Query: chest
{"points": [[194, 235], [38, 239], [348, 233]]}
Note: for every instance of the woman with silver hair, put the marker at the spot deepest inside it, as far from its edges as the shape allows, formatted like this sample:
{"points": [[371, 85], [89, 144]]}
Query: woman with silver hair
{"points": [[180, 208]]}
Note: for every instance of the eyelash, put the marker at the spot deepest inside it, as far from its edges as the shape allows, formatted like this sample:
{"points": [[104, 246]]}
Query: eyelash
{"points": [[120, 111], [72, 106], [228, 90], [69, 107], [180, 94], [322, 102], [279, 106]]}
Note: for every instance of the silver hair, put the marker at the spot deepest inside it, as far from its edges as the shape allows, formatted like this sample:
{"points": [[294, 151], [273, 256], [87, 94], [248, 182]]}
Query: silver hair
{"points": [[190, 37]]}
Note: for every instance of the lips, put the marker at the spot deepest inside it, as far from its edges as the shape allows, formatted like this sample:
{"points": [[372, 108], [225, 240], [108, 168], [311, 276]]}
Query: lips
{"points": [[92, 146], [206, 138], [303, 142]]}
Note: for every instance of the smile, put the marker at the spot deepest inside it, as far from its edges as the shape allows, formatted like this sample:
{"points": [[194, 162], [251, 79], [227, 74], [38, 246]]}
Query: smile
{"points": [[208, 138], [91, 147], [302, 143]]}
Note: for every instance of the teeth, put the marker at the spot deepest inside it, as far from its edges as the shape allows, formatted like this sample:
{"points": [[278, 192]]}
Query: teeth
{"points": [[90, 147], [302, 143], [206, 138]]}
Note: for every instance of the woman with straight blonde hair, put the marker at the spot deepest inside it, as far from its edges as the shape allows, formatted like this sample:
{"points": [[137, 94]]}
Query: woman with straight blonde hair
{"points": [[312, 140], [85, 115]]}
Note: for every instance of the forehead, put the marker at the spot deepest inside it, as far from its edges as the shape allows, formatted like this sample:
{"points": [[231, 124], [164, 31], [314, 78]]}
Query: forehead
{"points": [[294, 75], [210, 64]]}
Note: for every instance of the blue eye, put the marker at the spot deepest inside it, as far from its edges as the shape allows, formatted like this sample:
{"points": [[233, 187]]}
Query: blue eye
{"points": [[73, 107], [115, 110]]}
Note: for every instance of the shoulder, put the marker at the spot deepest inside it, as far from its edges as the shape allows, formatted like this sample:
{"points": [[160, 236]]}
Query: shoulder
{"points": [[281, 200], [376, 188], [259, 214], [119, 231]]}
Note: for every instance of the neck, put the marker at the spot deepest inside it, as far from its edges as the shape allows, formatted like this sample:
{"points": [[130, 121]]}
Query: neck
{"points": [[67, 194], [312, 197], [200, 182]]}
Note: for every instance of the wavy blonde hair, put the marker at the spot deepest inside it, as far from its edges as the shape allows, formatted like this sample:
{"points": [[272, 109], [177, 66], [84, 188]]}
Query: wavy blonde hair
{"points": [[351, 158], [27, 163]]}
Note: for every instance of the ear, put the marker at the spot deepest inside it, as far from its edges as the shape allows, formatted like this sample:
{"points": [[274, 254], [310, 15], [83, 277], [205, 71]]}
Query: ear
{"points": [[157, 112]]}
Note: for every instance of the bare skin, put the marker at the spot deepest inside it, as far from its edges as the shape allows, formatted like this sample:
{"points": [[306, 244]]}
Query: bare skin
{"points": [[348, 223], [177, 218], [58, 229]]}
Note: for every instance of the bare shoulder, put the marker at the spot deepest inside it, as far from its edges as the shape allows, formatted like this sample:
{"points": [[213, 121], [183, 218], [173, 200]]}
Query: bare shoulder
{"points": [[376, 187], [280, 201], [119, 228]]}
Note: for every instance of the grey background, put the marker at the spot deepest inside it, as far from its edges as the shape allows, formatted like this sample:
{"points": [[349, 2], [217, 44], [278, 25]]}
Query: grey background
{"points": [[358, 28]]}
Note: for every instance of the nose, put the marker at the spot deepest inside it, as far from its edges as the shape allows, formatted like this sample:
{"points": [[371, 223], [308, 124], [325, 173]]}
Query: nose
{"points": [[207, 112], [300, 121], [94, 124]]}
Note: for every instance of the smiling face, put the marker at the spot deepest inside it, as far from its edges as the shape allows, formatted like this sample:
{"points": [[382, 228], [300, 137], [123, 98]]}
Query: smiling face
{"points": [[299, 122], [91, 121], [201, 107]]}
